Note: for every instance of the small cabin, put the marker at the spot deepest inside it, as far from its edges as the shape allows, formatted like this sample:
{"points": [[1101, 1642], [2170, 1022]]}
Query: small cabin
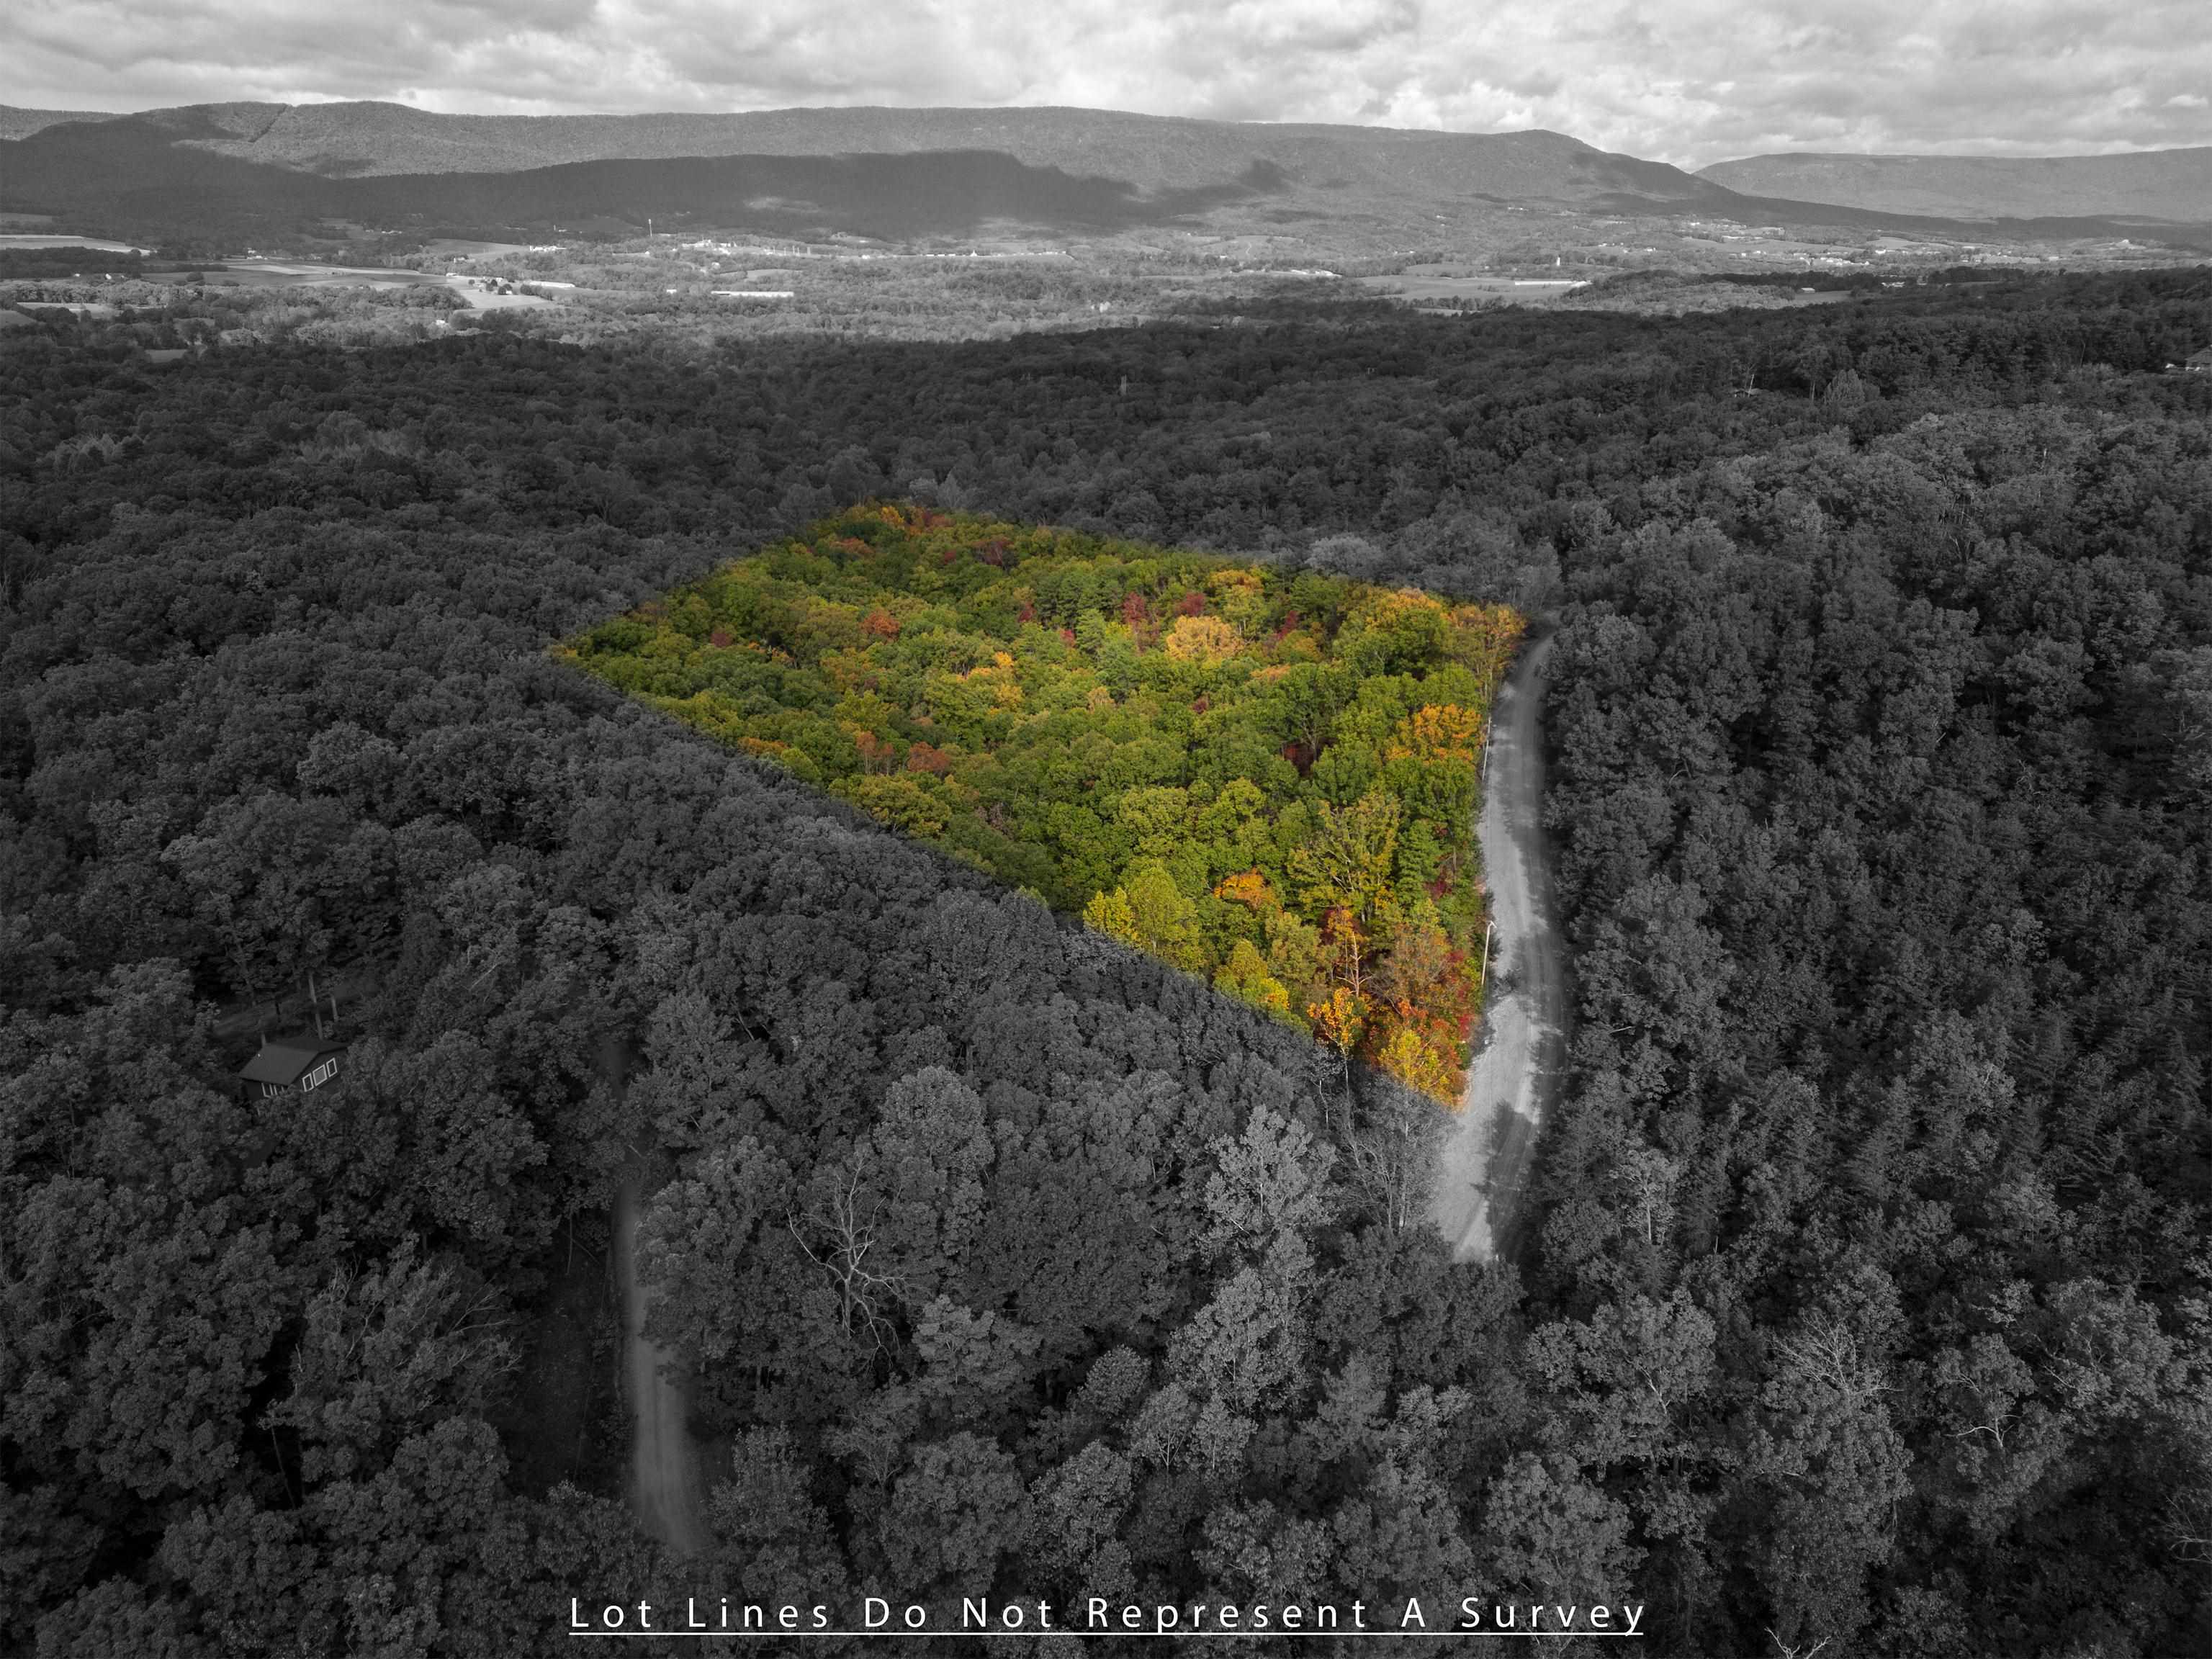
{"points": [[291, 1065], [2198, 362]]}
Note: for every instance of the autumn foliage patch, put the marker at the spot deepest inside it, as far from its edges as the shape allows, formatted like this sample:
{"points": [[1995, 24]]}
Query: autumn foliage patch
{"points": [[1265, 777]]}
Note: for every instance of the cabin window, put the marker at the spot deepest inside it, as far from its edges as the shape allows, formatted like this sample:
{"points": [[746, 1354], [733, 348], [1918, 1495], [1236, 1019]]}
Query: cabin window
{"points": [[322, 1073]]}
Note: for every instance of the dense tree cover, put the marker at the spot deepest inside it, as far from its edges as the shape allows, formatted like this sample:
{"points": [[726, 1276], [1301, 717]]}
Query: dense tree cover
{"points": [[20, 263], [1882, 803], [1866, 1302], [1264, 777], [127, 317]]}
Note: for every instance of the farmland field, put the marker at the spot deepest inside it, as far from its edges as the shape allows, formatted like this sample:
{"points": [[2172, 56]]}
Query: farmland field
{"points": [[1440, 281], [22, 240], [287, 273]]}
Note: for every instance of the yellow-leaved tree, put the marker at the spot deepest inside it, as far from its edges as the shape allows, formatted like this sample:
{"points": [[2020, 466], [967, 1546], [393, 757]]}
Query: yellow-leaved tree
{"points": [[1436, 732], [1245, 976], [1339, 1018], [1415, 1059], [1203, 639]]}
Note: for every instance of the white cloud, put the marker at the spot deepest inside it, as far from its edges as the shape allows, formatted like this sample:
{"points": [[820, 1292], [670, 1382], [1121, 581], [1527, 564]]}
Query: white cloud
{"points": [[1688, 81]]}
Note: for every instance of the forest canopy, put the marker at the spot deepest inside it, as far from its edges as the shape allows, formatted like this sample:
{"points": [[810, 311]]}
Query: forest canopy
{"points": [[1862, 1303], [1263, 777]]}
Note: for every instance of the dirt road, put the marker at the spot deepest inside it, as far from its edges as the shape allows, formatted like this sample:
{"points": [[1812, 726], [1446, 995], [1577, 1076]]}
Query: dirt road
{"points": [[1485, 1159], [664, 1482]]}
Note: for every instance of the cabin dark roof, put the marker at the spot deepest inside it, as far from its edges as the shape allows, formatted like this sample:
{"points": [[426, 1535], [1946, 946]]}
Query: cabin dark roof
{"points": [[285, 1061]]}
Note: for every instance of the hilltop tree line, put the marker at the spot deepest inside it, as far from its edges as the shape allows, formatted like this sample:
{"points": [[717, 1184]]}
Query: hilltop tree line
{"points": [[1864, 1297]]}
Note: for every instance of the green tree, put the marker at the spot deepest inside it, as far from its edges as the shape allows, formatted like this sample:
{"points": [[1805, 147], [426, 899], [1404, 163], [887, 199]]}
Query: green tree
{"points": [[952, 1518], [1549, 1532], [1346, 862], [385, 1353]]}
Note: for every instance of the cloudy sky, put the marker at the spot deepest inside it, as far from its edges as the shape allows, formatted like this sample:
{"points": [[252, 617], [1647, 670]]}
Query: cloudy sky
{"points": [[1685, 80]]}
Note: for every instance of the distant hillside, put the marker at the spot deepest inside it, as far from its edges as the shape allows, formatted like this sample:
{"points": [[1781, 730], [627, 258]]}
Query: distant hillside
{"points": [[1148, 152], [224, 170], [260, 167], [23, 122], [2159, 183]]}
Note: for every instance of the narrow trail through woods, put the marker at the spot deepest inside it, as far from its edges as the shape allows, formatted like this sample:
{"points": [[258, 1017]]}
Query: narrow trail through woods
{"points": [[1483, 1162], [664, 1484]]}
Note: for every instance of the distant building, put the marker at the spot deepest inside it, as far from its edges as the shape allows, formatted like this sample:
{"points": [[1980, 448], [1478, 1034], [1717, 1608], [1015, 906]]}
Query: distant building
{"points": [[286, 1065], [2198, 362]]}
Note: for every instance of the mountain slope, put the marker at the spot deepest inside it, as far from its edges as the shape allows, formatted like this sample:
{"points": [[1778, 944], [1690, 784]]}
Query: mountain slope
{"points": [[1149, 152], [2161, 184], [23, 122], [134, 173], [873, 172], [264, 171]]}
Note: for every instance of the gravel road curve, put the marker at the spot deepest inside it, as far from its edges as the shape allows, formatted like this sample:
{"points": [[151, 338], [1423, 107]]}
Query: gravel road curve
{"points": [[1485, 1159]]}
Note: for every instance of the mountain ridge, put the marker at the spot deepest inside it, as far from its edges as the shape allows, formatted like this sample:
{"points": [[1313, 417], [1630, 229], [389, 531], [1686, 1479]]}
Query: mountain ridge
{"points": [[259, 168], [368, 139], [829, 170], [2174, 185]]}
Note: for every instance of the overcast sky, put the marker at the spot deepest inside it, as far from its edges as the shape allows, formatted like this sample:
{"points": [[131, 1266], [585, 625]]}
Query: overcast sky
{"points": [[1684, 80]]}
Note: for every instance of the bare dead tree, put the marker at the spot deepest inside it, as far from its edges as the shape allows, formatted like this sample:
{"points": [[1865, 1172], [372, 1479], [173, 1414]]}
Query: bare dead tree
{"points": [[1826, 1352], [1390, 1143], [1995, 1428], [2188, 1526], [847, 1238]]}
